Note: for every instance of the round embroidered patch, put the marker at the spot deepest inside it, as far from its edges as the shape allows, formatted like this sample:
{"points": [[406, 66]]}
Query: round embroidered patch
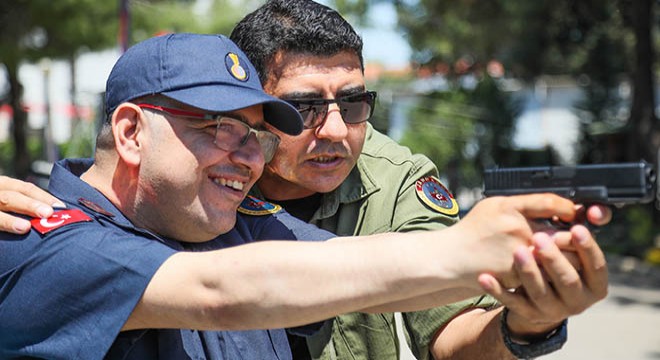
{"points": [[436, 196], [253, 206], [235, 67]]}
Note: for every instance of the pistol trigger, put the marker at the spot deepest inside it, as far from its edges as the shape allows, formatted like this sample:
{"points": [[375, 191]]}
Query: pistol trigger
{"points": [[551, 224], [557, 224], [561, 225]]}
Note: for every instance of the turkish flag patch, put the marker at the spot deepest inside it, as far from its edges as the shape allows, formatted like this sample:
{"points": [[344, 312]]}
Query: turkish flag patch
{"points": [[59, 219]]}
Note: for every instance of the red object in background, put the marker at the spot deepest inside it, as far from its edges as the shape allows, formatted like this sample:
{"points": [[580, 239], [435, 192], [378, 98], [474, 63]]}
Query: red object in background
{"points": [[6, 108]]}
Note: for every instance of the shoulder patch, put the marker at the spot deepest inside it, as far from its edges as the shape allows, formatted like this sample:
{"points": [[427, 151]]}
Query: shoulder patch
{"points": [[253, 206], [436, 196], [58, 220]]}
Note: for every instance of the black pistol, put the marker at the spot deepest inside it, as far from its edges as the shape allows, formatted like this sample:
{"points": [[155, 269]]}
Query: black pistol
{"points": [[616, 184]]}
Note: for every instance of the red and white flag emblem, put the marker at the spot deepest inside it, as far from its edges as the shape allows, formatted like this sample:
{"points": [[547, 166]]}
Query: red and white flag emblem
{"points": [[59, 219]]}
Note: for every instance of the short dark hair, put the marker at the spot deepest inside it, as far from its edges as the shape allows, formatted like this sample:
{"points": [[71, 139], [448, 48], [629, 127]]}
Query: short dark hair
{"points": [[298, 26]]}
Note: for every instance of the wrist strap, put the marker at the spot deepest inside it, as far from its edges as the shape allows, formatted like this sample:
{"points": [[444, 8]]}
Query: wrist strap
{"points": [[551, 342]]}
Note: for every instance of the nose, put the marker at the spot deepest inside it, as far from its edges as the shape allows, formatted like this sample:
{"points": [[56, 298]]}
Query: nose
{"points": [[249, 154], [333, 127]]}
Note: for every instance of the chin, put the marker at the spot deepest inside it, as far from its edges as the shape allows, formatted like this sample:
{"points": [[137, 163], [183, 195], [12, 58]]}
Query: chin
{"points": [[221, 223], [323, 186]]}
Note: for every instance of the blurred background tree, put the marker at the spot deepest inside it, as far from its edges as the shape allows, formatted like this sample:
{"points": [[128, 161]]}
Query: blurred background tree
{"points": [[30, 30], [606, 46], [33, 30], [597, 42]]}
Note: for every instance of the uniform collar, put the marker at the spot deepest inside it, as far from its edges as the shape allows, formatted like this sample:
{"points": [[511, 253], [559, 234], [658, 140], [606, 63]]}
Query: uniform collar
{"points": [[67, 185]]}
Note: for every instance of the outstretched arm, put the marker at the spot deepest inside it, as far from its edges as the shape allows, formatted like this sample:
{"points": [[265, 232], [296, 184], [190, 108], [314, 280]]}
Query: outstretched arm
{"points": [[24, 198], [284, 284]]}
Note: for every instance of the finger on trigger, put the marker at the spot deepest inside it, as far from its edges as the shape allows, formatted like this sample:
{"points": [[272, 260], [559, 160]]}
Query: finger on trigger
{"points": [[545, 206]]}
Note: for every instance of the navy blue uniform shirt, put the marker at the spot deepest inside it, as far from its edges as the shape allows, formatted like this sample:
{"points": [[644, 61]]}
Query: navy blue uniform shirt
{"points": [[66, 294]]}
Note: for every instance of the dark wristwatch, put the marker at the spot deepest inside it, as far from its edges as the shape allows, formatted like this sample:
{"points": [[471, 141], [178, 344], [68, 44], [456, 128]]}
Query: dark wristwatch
{"points": [[552, 342]]}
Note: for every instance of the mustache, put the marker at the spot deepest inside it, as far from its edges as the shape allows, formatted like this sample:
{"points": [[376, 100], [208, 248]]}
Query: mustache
{"points": [[232, 170], [330, 148]]}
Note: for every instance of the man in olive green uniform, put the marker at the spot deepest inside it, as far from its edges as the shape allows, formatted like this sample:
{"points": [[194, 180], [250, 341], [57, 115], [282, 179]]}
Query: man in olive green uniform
{"points": [[384, 192], [347, 178]]}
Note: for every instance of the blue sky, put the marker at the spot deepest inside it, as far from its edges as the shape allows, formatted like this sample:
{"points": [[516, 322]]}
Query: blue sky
{"points": [[383, 43]]}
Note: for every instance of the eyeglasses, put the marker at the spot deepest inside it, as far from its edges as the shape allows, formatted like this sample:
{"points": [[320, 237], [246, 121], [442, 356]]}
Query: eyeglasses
{"points": [[230, 133], [354, 109]]}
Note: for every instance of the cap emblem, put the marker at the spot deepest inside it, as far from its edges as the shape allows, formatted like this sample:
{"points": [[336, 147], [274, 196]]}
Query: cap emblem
{"points": [[235, 68]]}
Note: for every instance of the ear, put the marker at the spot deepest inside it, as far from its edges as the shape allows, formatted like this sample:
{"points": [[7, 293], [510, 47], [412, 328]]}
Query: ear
{"points": [[127, 123]]}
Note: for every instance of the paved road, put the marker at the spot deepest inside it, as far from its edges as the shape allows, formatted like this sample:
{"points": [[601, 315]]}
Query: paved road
{"points": [[624, 326]]}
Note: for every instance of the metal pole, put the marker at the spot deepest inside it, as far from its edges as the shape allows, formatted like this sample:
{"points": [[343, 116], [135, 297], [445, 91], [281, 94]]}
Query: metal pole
{"points": [[124, 25]]}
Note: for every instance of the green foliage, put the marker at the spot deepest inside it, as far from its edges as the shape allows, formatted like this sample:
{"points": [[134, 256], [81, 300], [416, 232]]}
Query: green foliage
{"points": [[354, 10], [82, 141], [530, 37], [441, 125], [631, 231], [6, 153], [599, 43], [154, 17], [454, 34], [44, 28], [388, 89], [32, 29], [463, 130], [63, 29], [641, 227], [34, 147], [653, 256], [499, 110]]}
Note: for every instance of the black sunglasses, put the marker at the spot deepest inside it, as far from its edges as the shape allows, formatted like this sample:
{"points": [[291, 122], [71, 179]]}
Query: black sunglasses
{"points": [[354, 109]]}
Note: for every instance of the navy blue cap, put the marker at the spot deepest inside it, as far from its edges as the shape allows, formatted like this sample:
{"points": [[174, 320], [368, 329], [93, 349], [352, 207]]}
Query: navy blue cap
{"points": [[208, 72]]}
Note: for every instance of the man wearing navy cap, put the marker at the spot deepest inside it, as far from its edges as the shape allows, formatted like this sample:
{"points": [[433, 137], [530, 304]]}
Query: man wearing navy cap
{"points": [[135, 259]]}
